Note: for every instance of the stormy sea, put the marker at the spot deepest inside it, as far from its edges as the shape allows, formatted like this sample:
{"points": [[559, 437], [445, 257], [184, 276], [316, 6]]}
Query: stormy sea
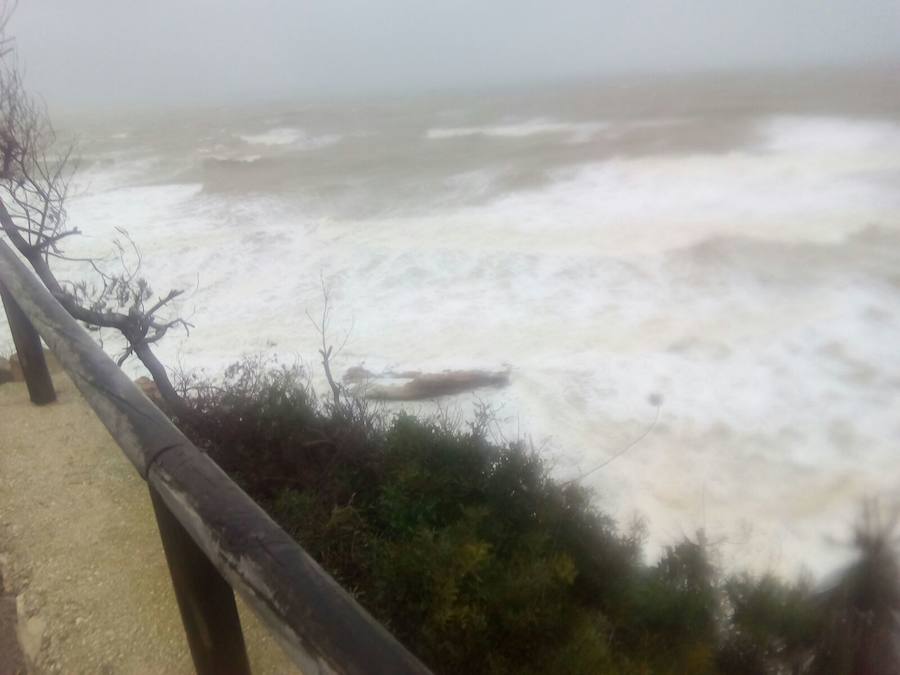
{"points": [[695, 277]]}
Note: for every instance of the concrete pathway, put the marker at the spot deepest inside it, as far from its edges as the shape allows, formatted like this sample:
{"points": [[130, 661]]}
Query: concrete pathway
{"points": [[80, 555]]}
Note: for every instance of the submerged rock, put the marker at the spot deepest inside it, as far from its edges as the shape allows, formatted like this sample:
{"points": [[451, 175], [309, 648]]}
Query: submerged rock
{"points": [[358, 375], [423, 386]]}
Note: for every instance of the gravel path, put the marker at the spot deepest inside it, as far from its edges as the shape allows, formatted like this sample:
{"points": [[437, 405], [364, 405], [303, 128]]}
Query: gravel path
{"points": [[79, 549]]}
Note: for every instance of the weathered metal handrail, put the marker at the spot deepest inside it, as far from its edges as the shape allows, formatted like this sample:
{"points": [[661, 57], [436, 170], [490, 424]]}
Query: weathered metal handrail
{"points": [[209, 526]]}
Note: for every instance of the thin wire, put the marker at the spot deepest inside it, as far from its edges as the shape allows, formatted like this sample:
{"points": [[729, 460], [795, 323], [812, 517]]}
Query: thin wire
{"points": [[621, 452]]}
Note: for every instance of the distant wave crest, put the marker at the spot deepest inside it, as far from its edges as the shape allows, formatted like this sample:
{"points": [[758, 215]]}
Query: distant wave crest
{"points": [[578, 131], [290, 136]]}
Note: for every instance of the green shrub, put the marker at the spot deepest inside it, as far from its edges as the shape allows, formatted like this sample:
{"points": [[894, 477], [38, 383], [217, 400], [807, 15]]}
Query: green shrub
{"points": [[475, 558]]}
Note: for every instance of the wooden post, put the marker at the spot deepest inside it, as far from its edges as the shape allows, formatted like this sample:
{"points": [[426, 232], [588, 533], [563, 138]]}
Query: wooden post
{"points": [[206, 601], [30, 352]]}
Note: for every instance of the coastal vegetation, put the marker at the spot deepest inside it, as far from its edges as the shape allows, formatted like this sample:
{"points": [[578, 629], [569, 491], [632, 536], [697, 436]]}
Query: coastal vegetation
{"points": [[470, 552]]}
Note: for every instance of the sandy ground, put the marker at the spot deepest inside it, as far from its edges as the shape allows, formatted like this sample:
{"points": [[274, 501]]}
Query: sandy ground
{"points": [[80, 550]]}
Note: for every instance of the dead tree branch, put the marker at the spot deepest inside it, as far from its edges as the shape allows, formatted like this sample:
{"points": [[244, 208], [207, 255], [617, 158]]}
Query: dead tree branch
{"points": [[327, 351], [35, 176]]}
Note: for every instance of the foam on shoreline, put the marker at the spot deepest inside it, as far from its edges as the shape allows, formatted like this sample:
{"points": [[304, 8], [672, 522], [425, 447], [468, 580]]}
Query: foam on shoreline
{"points": [[753, 287]]}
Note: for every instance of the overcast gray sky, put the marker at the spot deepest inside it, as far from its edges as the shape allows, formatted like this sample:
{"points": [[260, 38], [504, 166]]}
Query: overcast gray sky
{"points": [[101, 52]]}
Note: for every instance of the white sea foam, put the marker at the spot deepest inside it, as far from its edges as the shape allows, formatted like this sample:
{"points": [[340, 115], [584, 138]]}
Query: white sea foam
{"points": [[279, 136], [619, 279], [828, 135], [817, 188], [289, 136]]}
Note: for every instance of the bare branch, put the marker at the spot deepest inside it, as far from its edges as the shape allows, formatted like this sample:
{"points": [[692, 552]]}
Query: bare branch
{"points": [[326, 351], [35, 174]]}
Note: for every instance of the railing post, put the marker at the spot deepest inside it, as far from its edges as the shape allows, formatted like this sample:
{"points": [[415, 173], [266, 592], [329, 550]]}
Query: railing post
{"points": [[205, 599], [30, 352]]}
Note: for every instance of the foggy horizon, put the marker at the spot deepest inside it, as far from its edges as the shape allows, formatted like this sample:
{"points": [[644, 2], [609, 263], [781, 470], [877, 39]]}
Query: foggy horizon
{"points": [[79, 58]]}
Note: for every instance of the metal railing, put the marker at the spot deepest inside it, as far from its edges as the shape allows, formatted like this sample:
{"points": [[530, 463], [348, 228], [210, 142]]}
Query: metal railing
{"points": [[216, 538]]}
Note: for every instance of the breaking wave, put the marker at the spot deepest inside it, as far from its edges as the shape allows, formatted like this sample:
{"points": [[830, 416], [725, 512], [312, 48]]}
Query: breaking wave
{"points": [[741, 268]]}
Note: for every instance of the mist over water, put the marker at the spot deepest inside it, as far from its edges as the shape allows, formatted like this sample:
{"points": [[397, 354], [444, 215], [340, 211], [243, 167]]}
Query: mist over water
{"points": [[728, 245]]}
